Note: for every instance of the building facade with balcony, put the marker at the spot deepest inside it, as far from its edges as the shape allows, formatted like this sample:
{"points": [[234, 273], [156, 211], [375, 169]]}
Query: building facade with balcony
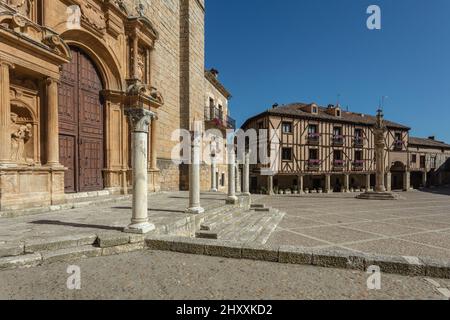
{"points": [[429, 162], [326, 149]]}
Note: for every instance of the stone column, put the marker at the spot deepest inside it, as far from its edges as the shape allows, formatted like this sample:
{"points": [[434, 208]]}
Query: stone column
{"points": [[52, 123], [232, 199], [213, 174], [238, 178], [194, 175], [246, 174], [388, 182], [424, 179], [139, 120], [328, 184], [301, 184], [154, 145], [406, 181], [368, 186], [5, 114], [347, 183], [380, 145], [270, 185]]}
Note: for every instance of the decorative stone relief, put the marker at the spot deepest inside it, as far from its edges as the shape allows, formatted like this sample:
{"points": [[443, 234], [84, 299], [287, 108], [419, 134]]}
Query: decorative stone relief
{"points": [[22, 6], [93, 16], [20, 135]]}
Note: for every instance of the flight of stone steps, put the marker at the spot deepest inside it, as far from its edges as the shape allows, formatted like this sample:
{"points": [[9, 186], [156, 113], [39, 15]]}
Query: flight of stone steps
{"points": [[239, 225]]}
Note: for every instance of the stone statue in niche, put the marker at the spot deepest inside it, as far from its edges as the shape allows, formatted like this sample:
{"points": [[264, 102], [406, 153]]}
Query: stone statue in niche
{"points": [[141, 66], [22, 6], [20, 134]]}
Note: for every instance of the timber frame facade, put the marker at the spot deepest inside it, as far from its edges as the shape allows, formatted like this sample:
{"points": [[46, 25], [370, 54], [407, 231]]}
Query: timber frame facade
{"points": [[327, 149]]}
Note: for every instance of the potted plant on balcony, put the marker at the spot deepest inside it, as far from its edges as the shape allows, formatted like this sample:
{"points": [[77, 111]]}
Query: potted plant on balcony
{"points": [[314, 164], [358, 164], [338, 163]]}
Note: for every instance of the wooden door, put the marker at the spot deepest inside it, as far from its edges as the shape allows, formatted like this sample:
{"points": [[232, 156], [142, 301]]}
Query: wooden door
{"points": [[81, 123]]}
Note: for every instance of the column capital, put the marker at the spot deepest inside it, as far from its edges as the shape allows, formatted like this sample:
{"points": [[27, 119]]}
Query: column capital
{"points": [[7, 64], [51, 80], [139, 119]]}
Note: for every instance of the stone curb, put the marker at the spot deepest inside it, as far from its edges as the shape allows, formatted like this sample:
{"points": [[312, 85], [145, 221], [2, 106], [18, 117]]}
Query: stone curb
{"points": [[79, 247], [327, 258]]}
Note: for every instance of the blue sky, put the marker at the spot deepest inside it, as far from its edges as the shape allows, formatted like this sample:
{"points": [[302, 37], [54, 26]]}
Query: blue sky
{"points": [[286, 51]]}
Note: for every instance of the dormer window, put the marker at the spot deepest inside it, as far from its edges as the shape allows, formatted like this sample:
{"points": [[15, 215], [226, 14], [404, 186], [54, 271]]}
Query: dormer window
{"points": [[315, 110], [338, 113]]}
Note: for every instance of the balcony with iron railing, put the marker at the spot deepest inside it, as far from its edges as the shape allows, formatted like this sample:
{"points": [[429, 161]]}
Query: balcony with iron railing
{"points": [[216, 117], [314, 138], [338, 140], [314, 164], [358, 165], [338, 165], [358, 142]]}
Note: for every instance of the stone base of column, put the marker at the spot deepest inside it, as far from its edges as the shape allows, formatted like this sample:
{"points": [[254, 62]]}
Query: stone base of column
{"points": [[232, 200], [214, 190], [195, 210], [246, 194], [7, 165], [140, 228]]}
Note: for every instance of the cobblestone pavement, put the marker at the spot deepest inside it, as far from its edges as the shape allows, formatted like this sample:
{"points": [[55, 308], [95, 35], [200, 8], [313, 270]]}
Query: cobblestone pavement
{"points": [[418, 225], [164, 209], [160, 275]]}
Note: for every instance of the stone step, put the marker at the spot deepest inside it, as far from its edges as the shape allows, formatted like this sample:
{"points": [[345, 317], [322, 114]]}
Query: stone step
{"points": [[253, 226], [257, 206], [249, 220], [212, 230], [250, 230], [72, 203], [221, 217], [269, 227]]}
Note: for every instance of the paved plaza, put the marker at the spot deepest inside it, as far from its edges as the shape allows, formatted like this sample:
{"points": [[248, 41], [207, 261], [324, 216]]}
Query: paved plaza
{"points": [[165, 211], [418, 225], [168, 275]]}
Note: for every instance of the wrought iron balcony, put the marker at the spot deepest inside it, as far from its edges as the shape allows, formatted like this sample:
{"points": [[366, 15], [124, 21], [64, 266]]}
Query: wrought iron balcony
{"points": [[358, 165], [218, 118], [338, 165], [358, 142], [314, 138], [314, 164], [338, 140]]}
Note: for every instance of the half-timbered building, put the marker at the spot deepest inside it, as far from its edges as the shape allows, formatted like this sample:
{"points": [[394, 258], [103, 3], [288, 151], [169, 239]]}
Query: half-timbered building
{"points": [[326, 149]]}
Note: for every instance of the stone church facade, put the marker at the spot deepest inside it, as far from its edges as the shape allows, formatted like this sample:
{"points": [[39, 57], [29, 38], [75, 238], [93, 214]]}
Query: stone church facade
{"points": [[68, 70]]}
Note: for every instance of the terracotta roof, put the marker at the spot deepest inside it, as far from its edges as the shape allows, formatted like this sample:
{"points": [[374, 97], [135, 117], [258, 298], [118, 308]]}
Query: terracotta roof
{"points": [[294, 110], [428, 143]]}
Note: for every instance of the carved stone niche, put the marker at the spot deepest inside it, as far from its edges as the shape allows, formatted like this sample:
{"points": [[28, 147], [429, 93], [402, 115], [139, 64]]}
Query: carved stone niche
{"points": [[25, 144]]}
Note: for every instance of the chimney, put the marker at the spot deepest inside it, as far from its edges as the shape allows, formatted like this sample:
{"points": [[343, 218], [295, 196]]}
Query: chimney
{"points": [[214, 72], [432, 138]]}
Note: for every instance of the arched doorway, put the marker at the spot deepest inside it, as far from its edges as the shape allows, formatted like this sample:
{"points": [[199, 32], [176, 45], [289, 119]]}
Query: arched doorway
{"points": [[398, 170], [81, 124]]}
